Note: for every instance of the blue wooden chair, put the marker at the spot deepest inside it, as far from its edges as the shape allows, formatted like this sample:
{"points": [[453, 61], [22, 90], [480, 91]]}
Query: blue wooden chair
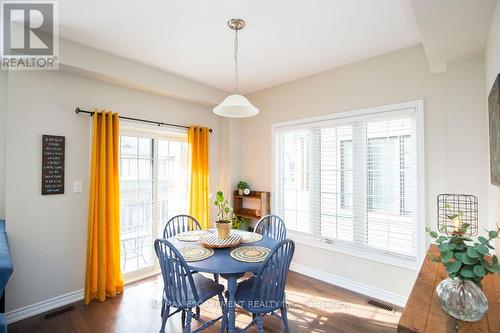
{"points": [[180, 223], [271, 226], [184, 290], [265, 293]]}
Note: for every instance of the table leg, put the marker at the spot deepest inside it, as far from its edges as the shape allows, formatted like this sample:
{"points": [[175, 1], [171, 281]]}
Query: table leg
{"points": [[231, 290]]}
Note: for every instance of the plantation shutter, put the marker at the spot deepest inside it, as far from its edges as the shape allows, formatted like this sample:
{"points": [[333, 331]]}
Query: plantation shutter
{"points": [[350, 180]]}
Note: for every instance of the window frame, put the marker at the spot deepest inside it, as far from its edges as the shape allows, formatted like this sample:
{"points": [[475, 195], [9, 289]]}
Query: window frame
{"points": [[416, 109], [156, 134]]}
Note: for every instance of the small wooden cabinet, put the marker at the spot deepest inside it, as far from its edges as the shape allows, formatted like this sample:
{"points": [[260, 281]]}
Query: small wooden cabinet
{"points": [[252, 206]]}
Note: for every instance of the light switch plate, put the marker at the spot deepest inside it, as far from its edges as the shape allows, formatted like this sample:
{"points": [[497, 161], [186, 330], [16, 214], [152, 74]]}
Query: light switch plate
{"points": [[77, 187]]}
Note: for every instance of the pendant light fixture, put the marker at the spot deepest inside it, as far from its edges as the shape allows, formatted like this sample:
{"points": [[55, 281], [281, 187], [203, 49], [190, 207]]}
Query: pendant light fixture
{"points": [[236, 105]]}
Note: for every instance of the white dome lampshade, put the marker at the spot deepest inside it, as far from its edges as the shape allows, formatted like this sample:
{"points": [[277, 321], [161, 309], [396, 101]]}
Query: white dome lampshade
{"points": [[236, 106]]}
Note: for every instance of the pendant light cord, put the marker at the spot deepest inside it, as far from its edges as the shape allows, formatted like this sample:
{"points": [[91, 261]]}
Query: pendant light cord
{"points": [[236, 78]]}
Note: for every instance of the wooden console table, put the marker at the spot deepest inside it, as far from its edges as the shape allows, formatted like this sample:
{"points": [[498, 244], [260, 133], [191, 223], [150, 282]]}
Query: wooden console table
{"points": [[423, 312]]}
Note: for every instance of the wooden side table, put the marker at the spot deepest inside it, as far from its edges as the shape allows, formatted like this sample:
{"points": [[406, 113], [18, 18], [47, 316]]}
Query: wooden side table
{"points": [[423, 312]]}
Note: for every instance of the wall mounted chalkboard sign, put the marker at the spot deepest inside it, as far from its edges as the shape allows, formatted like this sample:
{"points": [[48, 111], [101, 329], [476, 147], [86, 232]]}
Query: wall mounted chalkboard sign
{"points": [[52, 164]]}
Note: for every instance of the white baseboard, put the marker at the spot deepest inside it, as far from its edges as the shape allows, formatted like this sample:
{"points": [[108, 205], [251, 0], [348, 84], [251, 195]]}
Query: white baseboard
{"points": [[43, 306], [75, 296], [57, 302], [361, 288]]}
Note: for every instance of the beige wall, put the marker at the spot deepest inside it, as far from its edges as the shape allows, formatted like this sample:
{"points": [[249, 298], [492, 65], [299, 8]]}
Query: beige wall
{"points": [[451, 100], [47, 234], [492, 60], [93, 63], [3, 112], [467, 150]]}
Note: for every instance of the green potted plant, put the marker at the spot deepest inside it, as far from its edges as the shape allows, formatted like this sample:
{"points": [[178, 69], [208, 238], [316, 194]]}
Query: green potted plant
{"points": [[467, 262], [223, 223], [241, 223], [241, 186]]}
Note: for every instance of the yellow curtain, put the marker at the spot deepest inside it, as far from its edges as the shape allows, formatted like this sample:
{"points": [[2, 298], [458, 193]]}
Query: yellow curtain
{"points": [[103, 276], [199, 175]]}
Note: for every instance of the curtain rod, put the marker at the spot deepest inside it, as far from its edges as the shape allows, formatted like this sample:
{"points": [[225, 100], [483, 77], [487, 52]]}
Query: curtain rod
{"points": [[158, 123]]}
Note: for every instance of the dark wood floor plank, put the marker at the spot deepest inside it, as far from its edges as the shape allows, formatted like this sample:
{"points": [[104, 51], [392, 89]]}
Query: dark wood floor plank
{"points": [[315, 307]]}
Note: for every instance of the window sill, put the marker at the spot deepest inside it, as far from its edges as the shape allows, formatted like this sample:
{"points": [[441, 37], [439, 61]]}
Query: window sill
{"points": [[354, 251]]}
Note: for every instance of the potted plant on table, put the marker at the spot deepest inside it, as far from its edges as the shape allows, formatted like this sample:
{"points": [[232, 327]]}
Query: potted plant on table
{"points": [[223, 223], [467, 263], [241, 186]]}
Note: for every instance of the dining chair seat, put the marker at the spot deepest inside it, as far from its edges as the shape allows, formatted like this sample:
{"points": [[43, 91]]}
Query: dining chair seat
{"points": [[206, 288], [247, 300]]}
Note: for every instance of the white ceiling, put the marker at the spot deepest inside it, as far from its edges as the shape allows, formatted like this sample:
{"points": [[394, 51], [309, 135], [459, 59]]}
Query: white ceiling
{"points": [[452, 30], [283, 40]]}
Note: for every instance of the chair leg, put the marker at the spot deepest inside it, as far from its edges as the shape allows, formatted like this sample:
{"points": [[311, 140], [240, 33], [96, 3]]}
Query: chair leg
{"points": [[183, 318], [164, 318], [216, 278], [260, 324], [189, 315], [223, 323], [284, 317], [198, 311]]}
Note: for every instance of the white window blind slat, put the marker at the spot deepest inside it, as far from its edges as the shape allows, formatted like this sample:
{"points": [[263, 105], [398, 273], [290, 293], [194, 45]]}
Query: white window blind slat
{"points": [[350, 181]]}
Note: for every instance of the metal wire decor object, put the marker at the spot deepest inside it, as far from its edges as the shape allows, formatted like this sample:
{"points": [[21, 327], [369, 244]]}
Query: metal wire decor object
{"points": [[455, 210]]}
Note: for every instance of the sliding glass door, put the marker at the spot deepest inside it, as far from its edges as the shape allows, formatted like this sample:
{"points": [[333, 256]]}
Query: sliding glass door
{"points": [[153, 188], [172, 181]]}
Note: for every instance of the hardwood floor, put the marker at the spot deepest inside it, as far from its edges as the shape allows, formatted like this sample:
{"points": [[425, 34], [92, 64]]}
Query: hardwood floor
{"points": [[314, 307]]}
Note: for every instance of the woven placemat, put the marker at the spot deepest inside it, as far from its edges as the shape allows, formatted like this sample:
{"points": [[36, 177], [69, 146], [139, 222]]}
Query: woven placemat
{"points": [[250, 253], [195, 253], [249, 237]]}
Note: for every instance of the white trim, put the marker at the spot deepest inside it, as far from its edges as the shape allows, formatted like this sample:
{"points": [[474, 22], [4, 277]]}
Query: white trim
{"points": [[141, 274], [390, 108], [59, 301], [420, 213], [152, 128], [156, 132], [416, 107], [358, 287], [43, 306], [351, 249]]}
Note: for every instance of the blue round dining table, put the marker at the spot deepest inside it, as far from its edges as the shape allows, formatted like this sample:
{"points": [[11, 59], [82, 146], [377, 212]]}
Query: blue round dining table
{"points": [[226, 266]]}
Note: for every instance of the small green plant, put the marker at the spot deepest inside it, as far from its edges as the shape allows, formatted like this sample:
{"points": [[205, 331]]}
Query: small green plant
{"points": [[242, 185], [455, 219], [222, 204], [240, 222], [463, 257]]}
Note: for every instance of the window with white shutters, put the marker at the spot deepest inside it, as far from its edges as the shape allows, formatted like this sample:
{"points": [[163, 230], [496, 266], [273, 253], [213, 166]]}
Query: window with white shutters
{"points": [[352, 180]]}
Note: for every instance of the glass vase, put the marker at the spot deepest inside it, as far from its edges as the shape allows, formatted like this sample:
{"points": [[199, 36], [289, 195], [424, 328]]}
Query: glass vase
{"points": [[462, 299]]}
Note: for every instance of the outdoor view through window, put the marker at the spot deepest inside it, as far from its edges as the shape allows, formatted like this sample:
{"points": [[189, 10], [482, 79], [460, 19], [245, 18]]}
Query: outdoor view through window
{"points": [[153, 188]]}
